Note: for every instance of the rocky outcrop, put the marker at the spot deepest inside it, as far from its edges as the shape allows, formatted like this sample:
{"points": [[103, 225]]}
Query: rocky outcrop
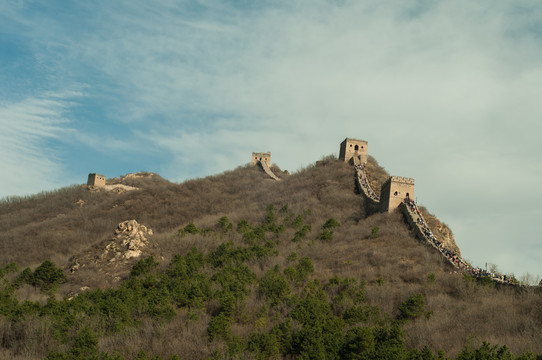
{"points": [[131, 240]]}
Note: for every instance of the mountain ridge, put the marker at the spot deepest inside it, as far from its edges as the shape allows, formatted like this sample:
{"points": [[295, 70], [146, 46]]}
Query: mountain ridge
{"points": [[378, 250]]}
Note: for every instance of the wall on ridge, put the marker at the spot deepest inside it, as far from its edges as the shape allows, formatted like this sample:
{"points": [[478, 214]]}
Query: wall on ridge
{"points": [[268, 171], [371, 201]]}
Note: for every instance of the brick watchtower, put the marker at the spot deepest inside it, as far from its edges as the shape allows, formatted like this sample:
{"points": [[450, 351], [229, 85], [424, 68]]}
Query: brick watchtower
{"points": [[263, 157], [394, 191], [96, 180], [353, 149]]}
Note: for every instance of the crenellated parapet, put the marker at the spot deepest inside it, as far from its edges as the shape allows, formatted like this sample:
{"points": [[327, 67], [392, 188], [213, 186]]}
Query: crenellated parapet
{"points": [[398, 180], [402, 180]]}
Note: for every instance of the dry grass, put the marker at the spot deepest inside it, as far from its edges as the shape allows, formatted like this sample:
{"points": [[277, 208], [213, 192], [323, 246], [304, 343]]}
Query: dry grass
{"points": [[394, 265]]}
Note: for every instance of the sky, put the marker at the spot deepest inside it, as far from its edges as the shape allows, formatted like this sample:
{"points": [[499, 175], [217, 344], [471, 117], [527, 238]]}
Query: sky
{"points": [[445, 92]]}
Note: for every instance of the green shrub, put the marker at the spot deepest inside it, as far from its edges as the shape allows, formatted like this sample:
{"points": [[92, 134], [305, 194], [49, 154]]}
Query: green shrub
{"points": [[9, 268], [243, 226], [359, 343], [292, 257], [266, 346], [301, 271], [25, 277], [297, 223], [86, 344], [330, 224], [270, 216], [412, 307], [327, 230], [220, 327], [144, 266], [190, 228], [301, 233], [488, 352], [374, 232], [304, 268], [274, 286], [390, 343], [321, 333], [47, 276], [235, 279], [224, 223], [325, 235]]}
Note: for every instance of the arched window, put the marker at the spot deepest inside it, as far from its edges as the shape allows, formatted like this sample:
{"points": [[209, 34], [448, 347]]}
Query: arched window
{"points": [[395, 193], [356, 147]]}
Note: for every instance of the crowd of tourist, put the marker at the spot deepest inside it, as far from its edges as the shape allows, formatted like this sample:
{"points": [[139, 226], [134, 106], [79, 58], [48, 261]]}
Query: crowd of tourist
{"points": [[452, 257], [364, 183], [417, 217]]}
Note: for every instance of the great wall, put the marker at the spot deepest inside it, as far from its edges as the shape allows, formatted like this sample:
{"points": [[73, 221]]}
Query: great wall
{"points": [[264, 160], [396, 193]]}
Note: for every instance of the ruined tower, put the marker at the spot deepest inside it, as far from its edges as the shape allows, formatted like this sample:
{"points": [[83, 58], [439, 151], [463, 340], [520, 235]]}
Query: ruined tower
{"points": [[353, 149], [96, 180], [263, 157], [394, 191]]}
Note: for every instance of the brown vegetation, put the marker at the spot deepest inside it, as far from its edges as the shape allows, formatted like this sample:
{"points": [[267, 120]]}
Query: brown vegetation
{"points": [[393, 264]]}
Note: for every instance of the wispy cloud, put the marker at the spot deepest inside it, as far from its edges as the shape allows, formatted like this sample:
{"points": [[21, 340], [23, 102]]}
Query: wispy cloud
{"points": [[446, 92], [27, 158]]}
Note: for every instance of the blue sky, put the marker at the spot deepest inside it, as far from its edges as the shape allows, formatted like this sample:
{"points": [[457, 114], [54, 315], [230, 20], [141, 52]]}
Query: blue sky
{"points": [[446, 92]]}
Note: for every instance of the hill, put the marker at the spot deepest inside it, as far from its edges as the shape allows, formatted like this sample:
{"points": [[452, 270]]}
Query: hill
{"points": [[238, 265]]}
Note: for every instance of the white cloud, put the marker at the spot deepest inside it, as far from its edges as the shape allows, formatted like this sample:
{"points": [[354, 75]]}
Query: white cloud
{"points": [[28, 162], [445, 92]]}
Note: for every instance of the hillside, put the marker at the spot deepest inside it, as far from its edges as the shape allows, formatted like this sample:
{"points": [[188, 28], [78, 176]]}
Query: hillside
{"points": [[238, 265]]}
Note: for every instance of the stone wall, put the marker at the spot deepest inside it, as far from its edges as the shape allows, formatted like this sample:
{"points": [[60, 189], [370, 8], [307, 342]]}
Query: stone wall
{"points": [[372, 201], [268, 171], [415, 224]]}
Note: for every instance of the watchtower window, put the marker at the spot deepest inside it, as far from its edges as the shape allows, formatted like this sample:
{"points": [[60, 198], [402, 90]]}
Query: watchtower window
{"points": [[408, 195], [356, 147], [395, 193]]}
